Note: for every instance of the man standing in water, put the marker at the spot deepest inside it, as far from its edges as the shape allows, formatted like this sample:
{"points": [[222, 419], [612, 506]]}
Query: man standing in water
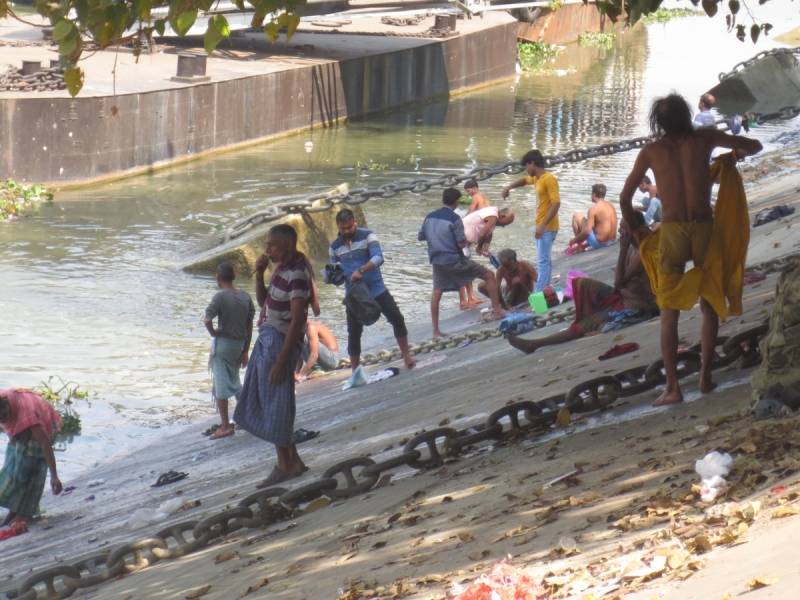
{"points": [[234, 311], [679, 157], [266, 404], [546, 211], [359, 252]]}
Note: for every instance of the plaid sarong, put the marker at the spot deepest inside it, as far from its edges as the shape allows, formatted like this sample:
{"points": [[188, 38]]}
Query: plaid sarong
{"points": [[265, 410], [224, 365], [594, 301], [450, 278], [24, 474]]}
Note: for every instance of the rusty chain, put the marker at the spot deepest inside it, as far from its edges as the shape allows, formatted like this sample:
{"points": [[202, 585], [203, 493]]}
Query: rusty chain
{"points": [[763, 54]]}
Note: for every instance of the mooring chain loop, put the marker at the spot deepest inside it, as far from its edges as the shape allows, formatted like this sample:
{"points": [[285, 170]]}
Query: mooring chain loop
{"points": [[429, 438], [763, 54], [97, 571], [308, 492], [353, 486], [588, 396], [118, 557], [261, 498], [48, 577], [222, 523], [391, 464], [184, 547], [529, 409]]}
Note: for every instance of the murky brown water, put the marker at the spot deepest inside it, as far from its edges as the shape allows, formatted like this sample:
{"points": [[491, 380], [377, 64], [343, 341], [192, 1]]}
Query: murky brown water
{"points": [[91, 291]]}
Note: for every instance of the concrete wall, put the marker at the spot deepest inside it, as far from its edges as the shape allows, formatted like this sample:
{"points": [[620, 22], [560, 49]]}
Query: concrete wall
{"points": [[564, 25], [59, 140], [767, 85]]}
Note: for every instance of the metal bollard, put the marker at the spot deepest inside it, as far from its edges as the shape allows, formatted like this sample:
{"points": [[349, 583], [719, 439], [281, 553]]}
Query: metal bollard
{"points": [[55, 63], [442, 22], [186, 65], [29, 67], [201, 61], [453, 21]]}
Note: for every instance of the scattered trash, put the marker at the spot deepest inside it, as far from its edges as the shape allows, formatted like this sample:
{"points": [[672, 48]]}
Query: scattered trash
{"points": [[198, 456], [772, 214], [564, 477], [89, 498], [431, 360], [619, 350], [384, 374], [503, 582], [96, 482], [12, 530], [751, 277], [464, 344], [147, 516], [712, 470], [68, 490], [171, 476], [309, 146], [359, 377]]}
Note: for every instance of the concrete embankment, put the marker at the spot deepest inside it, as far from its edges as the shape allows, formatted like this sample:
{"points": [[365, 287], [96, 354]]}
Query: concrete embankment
{"points": [[766, 85], [319, 555], [130, 117], [565, 24]]}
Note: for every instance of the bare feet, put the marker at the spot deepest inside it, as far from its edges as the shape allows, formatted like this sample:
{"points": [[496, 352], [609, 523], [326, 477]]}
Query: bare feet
{"points": [[467, 306], [411, 363], [439, 334], [477, 301], [707, 385], [527, 346], [669, 398]]}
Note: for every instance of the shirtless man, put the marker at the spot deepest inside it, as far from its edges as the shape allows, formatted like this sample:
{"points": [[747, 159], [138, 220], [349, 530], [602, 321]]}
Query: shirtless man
{"points": [[320, 349], [466, 295], [679, 158], [599, 227], [519, 278]]}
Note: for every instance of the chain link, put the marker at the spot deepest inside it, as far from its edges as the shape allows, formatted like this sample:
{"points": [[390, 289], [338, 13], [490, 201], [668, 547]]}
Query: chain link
{"points": [[756, 58]]}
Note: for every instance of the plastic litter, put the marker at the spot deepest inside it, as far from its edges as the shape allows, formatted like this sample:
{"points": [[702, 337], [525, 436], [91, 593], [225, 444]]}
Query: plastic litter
{"points": [[89, 498], [359, 377], [96, 482], [147, 516], [504, 582], [12, 530], [712, 470], [68, 490]]}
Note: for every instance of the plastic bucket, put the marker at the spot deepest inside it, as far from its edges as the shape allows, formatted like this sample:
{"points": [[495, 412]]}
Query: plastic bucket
{"points": [[538, 303]]}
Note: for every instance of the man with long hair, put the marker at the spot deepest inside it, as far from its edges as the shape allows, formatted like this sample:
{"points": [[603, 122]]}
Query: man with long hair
{"points": [[679, 157]]}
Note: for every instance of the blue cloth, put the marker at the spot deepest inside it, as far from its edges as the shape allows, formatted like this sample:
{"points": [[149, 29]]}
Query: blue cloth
{"points": [[263, 409], [444, 231], [595, 243], [544, 246], [627, 317], [704, 118], [514, 319], [653, 211], [363, 248]]}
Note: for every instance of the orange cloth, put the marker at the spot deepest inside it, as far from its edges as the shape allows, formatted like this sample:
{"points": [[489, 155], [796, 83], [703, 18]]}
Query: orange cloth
{"points": [[720, 279]]}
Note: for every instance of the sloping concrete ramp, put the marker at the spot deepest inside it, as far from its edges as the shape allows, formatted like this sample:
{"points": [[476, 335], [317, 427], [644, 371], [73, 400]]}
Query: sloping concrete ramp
{"points": [[767, 85]]}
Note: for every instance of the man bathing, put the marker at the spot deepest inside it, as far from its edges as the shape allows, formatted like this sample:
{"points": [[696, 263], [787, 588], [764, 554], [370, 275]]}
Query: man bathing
{"points": [[679, 157], [443, 231], [599, 227], [477, 199], [517, 276], [320, 350], [479, 229], [595, 300]]}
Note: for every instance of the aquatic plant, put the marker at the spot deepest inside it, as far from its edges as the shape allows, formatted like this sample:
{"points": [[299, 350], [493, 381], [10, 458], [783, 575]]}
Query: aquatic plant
{"points": [[662, 15], [16, 197], [554, 5], [533, 56], [370, 166], [601, 40], [62, 398]]}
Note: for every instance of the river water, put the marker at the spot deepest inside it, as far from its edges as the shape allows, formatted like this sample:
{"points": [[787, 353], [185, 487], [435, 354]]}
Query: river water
{"points": [[92, 291]]}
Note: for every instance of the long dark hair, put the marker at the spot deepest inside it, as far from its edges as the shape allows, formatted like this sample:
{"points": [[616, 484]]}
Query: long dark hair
{"points": [[671, 116]]}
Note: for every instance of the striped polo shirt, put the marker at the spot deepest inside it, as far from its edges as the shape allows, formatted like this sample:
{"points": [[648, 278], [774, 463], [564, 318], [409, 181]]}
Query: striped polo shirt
{"points": [[289, 280]]}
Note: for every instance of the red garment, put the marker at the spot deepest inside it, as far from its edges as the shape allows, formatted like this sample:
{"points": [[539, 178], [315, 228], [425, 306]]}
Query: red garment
{"points": [[28, 409], [15, 529], [619, 351]]}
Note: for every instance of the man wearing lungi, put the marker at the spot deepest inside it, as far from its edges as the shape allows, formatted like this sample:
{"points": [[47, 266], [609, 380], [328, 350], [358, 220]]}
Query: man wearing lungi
{"points": [[266, 405], [443, 230], [234, 311], [31, 424]]}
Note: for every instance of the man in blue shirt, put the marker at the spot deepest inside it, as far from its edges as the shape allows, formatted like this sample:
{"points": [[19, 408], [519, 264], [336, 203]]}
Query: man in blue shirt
{"points": [[705, 118], [358, 251], [443, 230]]}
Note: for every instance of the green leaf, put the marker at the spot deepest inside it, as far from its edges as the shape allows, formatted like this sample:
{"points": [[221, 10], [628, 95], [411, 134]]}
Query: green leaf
{"points": [[239, 4], [185, 20], [733, 6], [212, 36], [144, 9], [755, 31], [272, 30], [291, 27], [68, 45], [221, 23], [740, 34], [160, 26], [74, 80], [62, 29]]}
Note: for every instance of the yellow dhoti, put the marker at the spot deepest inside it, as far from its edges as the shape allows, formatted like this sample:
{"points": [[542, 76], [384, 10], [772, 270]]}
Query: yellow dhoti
{"points": [[718, 249]]}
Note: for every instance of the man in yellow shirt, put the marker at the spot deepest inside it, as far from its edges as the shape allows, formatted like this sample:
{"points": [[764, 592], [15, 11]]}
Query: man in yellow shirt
{"points": [[546, 211]]}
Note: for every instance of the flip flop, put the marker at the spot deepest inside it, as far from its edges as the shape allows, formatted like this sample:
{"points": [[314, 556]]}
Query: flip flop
{"points": [[169, 477], [211, 430], [277, 476], [219, 434], [303, 435]]}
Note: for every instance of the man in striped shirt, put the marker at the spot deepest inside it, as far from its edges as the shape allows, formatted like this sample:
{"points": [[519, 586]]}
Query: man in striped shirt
{"points": [[359, 252], [266, 404]]}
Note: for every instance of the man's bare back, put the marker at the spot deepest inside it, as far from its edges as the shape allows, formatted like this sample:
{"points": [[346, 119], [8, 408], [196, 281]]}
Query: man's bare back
{"points": [[605, 221], [681, 168]]}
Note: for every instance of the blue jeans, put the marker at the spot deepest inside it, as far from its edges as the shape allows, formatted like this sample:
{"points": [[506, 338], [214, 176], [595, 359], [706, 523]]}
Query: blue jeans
{"points": [[544, 246]]}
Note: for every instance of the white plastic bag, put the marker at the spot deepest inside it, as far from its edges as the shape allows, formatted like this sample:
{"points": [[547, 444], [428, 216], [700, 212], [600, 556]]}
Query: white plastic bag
{"points": [[359, 377], [146, 516], [712, 470]]}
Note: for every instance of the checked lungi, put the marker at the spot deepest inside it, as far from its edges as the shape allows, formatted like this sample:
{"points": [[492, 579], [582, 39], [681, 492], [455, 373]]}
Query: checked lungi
{"points": [[594, 302], [224, 364], [263, 409], [450, 278], [24, 474]]}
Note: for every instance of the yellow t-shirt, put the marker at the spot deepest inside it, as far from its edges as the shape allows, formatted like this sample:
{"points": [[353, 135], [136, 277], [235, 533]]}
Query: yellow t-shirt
{"points": [[547, 191]]}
